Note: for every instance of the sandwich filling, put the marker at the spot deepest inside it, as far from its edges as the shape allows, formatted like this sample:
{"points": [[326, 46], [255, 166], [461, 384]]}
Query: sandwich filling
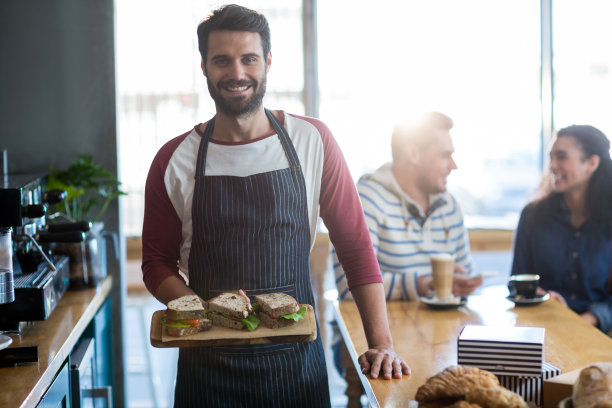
{"points": [[295, 316], [250, 321], [180, 323]]}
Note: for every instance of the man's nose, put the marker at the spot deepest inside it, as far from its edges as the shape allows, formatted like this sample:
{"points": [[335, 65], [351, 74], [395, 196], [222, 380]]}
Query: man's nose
{"points": [[236, 70], [453, 164]]}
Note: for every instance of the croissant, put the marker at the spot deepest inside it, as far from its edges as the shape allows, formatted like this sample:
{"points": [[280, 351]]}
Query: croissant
{"points": [[498, 397], [464, 404], [454, 382], [594, 386], [448, 403]]}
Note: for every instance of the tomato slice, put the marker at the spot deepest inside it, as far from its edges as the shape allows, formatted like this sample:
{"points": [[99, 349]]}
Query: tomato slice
{"points": [[193, 322]]}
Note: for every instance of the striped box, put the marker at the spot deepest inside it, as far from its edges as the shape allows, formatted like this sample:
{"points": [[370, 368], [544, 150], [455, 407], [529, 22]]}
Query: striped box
{"points": [[513, 351], [530, 388]]}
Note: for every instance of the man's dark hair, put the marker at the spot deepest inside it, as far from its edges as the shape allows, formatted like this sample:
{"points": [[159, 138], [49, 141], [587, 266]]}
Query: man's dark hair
{"points": [[421, 133], [234, 18]]}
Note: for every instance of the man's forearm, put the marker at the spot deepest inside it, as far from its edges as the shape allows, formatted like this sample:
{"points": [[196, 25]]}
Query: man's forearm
{"points": [[370, 300], [171, 288]]}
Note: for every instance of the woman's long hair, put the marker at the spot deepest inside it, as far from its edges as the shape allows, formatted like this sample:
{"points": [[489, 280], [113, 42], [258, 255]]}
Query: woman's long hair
{"points": [[592, 141]]}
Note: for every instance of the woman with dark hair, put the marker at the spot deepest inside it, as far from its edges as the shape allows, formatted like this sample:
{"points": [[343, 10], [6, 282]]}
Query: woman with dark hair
{"points": [[564, 236]]}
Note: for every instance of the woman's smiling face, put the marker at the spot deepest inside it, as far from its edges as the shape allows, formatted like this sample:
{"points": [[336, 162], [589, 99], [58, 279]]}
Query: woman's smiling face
{"points": [[570, 169]]}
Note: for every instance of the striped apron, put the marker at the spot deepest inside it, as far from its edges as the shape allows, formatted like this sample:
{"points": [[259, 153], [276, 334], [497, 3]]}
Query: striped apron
{"points": [[251, 233]]}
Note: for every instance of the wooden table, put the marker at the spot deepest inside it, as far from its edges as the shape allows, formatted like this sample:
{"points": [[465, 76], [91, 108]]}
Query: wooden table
{"points": [[24, 385], [427, 338]]}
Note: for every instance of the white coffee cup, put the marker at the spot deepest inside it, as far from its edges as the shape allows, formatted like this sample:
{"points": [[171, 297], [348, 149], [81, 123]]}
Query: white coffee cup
{"points": [[442, 269]]}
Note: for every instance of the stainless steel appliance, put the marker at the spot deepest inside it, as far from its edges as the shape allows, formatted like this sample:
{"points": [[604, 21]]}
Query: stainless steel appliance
{"points": [[7, 293], [39, 279]]}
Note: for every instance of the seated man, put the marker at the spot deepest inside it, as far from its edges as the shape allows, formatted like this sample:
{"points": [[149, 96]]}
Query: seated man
{"points": [[411, 216]]}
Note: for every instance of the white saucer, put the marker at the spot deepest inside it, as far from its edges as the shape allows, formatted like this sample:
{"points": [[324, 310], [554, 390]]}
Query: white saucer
{"points": [[444, 304], [5, 341], [519, 301]]}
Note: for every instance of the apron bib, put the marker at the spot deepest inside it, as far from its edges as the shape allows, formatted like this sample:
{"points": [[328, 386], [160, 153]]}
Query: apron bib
{"points": [[251, 233]]}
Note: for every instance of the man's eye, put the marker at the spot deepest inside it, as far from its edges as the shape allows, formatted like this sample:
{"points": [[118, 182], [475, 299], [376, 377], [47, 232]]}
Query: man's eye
{"points": [[249, 60]]}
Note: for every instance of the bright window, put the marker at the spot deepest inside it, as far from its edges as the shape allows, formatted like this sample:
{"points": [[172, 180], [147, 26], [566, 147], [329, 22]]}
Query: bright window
{"points": [[475, 60], [582, 63]]}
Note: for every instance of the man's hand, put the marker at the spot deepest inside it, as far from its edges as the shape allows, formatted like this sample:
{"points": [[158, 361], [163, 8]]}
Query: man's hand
{"points": [[462, 285], [383, 360], [380, 357]]}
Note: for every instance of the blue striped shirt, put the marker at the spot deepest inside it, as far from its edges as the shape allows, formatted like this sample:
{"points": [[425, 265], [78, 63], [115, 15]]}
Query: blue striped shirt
{"points": [[404, 241]]}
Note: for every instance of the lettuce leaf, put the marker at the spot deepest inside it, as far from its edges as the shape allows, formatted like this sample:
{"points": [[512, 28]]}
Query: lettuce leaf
{"points": [[297, 316], [251, 322]]}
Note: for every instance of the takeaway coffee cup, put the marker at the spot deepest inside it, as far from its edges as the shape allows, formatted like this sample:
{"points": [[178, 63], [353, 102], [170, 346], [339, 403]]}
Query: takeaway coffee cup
{"points": [[442, 267], [524, 286]]}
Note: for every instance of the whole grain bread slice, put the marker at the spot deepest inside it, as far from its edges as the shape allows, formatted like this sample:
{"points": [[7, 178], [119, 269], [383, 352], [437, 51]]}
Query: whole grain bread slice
{"points": [[185, 308], [222, 321], [277, 304], [230, 304]]}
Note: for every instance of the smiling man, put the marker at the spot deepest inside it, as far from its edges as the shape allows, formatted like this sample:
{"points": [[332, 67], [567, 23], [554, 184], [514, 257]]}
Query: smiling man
{"points": [[411, 216], [233, 204]]}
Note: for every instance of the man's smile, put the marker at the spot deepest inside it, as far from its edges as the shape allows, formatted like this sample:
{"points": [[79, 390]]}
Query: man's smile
{"points": [[236, 87]]}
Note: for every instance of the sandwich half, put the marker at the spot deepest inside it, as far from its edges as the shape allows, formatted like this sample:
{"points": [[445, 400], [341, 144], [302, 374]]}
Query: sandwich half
{"points": [[232, 310], [185, 316], [277, 310]]}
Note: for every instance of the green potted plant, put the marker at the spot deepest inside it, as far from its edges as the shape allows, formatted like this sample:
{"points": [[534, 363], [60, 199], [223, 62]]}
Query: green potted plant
{"points": [[90, 189]]}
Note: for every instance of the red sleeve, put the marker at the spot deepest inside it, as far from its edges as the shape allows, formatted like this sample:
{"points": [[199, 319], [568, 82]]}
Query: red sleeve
{"points": [[161, 230], [343, 216]]}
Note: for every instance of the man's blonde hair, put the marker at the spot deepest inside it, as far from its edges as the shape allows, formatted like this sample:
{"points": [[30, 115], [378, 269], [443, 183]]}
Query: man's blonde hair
{"points": [[420, 133]]}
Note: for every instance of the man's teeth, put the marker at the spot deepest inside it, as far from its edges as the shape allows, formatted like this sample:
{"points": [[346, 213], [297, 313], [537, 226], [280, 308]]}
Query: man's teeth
{"points": [[237, 88]]}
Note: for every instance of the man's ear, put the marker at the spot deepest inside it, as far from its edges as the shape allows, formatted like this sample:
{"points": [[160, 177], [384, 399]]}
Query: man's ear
{"points": [[268, 61], [412, 154]]}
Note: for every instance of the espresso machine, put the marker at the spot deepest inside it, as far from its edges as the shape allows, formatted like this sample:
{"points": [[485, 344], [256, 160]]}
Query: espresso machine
{"points": [[32, 279]]}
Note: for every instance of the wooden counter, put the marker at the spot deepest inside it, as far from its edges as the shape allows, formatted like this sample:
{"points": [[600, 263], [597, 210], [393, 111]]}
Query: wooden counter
{"points": [[427, 338], [24, 385]]}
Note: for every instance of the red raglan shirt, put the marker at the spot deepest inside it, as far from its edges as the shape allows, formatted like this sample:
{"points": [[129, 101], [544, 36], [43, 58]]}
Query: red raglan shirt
{"points": [[331, 193]]}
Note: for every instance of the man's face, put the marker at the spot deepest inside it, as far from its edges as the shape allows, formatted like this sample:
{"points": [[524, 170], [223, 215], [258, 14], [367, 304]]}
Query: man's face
{"points": [[435, 164], [236, 71]]}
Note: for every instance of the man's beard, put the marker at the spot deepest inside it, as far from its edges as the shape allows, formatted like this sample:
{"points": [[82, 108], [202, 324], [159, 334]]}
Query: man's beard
{"points": [[238, 106]]}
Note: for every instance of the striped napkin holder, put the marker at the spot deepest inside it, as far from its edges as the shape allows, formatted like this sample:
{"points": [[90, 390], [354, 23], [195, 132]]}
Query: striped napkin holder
{"points": [[514, 354], [530, 388], [516, 351]]}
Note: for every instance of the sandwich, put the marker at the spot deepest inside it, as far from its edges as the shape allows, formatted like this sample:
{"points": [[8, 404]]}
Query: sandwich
{"points": [[232, 310], [277, 310], [185, 316]]}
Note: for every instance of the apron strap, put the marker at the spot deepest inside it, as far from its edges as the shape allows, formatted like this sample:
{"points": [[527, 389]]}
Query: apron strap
{"points": [[292, 156], [203, 149]]}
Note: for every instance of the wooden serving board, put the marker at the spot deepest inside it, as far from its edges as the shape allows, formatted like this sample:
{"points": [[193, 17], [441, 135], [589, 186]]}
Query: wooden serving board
{"points": [[303, 331]]}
